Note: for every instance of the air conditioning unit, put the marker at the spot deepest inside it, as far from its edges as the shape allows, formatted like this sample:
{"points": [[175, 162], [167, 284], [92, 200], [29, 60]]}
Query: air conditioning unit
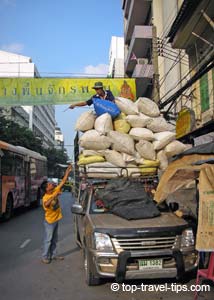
{"points": [[142, 61]]}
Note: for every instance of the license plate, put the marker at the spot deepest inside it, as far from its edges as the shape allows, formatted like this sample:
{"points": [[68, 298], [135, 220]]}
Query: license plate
{"points": [[150, 264]]}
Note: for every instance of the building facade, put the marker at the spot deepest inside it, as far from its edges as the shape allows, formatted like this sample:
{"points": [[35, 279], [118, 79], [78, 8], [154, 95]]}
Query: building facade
{"points": [[148, 58], [40, 119], [116, 57], [59, 139], [192, 31]]}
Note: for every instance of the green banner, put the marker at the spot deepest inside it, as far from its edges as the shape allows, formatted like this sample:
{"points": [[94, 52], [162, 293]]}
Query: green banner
{"points": [[42, 91]]}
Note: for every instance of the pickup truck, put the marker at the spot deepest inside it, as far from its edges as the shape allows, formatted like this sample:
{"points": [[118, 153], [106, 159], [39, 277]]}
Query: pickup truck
{"points": [[113, 247]]}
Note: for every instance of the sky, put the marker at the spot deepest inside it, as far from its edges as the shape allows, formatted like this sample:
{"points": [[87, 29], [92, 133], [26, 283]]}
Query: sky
{"points": [[65, 36]]}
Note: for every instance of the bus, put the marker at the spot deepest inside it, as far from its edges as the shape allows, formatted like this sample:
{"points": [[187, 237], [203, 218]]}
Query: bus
{"points": [[22, 172]]}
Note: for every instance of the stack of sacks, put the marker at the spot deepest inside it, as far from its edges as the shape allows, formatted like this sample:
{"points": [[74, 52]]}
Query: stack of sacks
{"points": [[139, 139]]}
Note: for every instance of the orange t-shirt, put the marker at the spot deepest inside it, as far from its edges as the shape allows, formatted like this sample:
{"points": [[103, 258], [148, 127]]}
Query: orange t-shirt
{"points": [[53, 213]]}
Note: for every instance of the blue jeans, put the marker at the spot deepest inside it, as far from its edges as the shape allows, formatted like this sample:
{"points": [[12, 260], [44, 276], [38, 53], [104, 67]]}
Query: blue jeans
{"points": [[50, 240]]}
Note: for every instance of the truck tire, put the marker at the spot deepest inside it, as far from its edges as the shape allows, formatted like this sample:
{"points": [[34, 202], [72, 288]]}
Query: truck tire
{"points": [[90, 274], [9, 208]]}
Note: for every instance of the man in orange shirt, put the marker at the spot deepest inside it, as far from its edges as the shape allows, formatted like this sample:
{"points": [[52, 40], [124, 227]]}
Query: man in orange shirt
{"points": [[53, 214]]}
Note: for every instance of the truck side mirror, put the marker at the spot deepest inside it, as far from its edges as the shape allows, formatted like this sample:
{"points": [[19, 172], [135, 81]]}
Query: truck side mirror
{"points": [[173, 206], [77, 209]]}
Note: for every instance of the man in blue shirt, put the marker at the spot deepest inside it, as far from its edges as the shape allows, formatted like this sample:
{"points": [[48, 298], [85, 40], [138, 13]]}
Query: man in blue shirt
{"points": [[100, 94]]}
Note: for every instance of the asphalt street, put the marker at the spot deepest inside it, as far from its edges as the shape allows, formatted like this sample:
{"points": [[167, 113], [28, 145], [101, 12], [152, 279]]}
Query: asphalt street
{"points": [[23, 276]]}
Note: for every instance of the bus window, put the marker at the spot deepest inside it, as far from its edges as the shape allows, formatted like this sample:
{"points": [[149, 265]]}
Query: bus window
{"points": [[7, 166], [19, 165], [32, 167]]}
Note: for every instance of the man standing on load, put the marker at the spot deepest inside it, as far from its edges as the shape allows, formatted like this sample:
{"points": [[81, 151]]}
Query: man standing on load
{"points": [[100, 94]]}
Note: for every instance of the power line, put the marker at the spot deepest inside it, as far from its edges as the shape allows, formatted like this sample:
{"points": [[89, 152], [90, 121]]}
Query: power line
{"points": [[206, 67], [188, 73]]}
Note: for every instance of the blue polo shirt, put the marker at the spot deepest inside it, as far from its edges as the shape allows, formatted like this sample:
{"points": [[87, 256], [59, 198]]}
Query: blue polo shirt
{"points": [[108, 96]]}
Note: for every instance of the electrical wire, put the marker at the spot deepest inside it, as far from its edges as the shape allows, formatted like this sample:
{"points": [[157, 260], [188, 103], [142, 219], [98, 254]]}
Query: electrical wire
{"points": [[204, 69], [186, 74], [174, 65]]}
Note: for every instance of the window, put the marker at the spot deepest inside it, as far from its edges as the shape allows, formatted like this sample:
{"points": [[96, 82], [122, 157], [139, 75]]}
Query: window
{"points": [[19, 165], [204, 93], [8, 163]]}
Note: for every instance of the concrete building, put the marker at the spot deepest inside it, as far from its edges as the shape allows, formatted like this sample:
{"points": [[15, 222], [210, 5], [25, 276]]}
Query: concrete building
{"points": [[138, 33], [116, 57], [40, 119], [59, 139], [147, 56], [192, 31]]}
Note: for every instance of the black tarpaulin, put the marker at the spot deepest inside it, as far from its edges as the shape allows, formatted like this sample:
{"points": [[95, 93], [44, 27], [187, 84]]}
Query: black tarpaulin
{"points": [[128, 199]]}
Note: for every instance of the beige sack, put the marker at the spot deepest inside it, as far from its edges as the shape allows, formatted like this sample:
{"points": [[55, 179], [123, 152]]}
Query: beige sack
{"points": [[162, 139], [121, 142], [103, 123], [126, 106], [139, 121], [141, 134], [94, 141], [93, 152], [115, 158], [85, 121], [159, 125], [161, 156], [146, 150], [174, 148], [148, 107], [128, 158]]}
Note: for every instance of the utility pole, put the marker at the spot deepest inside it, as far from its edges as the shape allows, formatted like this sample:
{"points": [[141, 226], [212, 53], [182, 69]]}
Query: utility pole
{"points": [[156, 88]]}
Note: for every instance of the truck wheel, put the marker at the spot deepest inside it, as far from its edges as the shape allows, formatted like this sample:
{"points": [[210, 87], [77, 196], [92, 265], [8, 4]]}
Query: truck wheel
{"points": [[9, 208], [90, 275]]}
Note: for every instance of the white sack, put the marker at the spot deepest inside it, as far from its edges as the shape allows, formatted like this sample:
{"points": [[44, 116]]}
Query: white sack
{"points": [[133, 171], [126, 106], [85, 121], [162, 139], [122, 142], [94, 141], [141, 134], [102, 170], [146, 150], [103, 123], [148, 107]]}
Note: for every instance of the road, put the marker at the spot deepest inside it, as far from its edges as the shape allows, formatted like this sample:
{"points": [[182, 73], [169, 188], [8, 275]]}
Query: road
{"points": [[23, 276]]}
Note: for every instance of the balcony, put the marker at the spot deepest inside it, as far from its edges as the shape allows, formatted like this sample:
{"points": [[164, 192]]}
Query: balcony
{"points": [[137, 12], [126, 6], [143, 71], [141, 42]]}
